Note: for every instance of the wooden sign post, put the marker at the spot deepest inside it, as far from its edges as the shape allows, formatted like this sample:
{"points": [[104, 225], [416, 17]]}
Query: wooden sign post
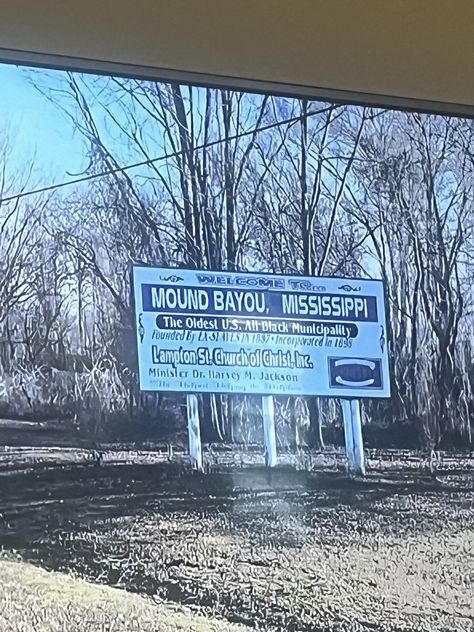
{"points": [[269, 433], [348, 439], [353, 435], [194, 432]]}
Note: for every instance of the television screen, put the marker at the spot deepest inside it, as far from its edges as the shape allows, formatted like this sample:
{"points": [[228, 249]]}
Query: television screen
{"points": [[236, 360]]}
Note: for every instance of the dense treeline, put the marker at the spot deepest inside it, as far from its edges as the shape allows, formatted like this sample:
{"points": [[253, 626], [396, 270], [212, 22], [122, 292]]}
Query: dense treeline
{"points": [[242, 182]]}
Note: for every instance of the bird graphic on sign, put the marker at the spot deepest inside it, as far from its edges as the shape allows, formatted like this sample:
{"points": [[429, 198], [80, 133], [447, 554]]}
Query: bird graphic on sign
{"points": [[382, 337], [141, 328], [173, 278]]}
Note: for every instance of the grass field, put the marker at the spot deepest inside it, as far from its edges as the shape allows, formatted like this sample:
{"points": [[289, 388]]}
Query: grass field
{"points": [[281, 550], [33, 600], [398, 563]]}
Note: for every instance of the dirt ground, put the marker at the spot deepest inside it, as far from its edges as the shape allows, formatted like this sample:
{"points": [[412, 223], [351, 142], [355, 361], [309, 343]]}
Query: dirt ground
{"points": [[282, 550]]}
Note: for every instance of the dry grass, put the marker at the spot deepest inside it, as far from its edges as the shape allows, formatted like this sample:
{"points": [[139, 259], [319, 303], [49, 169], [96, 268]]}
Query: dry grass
{"points": [[34, 600], [289, 552], [380, 581], [403, 563]]}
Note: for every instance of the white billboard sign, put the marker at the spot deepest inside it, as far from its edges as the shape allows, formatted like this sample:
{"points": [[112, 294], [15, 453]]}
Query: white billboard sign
{"points": [[267, 334]]}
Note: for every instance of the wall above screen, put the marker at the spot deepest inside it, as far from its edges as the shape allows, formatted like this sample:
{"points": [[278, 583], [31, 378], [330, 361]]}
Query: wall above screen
{"points": [[405, 54]]}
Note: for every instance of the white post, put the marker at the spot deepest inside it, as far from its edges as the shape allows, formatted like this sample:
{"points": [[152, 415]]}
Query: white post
{"points": [[194, 432], [358, 442], [269, 434], [353, 435], [348, 438]]}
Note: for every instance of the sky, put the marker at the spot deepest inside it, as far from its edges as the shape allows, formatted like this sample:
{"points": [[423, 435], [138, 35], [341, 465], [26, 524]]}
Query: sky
{"points": [[38, 130], [37, 127]]}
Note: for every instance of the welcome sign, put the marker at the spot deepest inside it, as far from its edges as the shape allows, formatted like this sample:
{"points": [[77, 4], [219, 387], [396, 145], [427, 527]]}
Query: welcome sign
{"points": [[216, 332]]}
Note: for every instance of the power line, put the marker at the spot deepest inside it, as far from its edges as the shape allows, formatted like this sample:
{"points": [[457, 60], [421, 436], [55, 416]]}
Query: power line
{"points": [[174, 154]]}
